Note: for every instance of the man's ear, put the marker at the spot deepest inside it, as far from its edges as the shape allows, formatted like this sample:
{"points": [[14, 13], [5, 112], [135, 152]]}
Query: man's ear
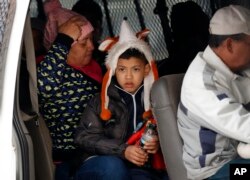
{"points": [[147, 70], [229, 44]]}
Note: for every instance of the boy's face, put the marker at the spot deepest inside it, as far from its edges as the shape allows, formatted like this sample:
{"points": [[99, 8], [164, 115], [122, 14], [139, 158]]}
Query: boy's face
{"points": [[130, 73]]}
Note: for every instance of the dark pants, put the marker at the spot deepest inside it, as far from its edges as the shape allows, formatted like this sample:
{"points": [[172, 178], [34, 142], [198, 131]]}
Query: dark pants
{"points": [[63, 171], [67, 162], [113, 168]]}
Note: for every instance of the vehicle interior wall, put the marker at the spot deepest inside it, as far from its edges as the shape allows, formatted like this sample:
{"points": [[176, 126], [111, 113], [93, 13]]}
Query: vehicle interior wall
{"points": [[16, 145], [151, 14]]}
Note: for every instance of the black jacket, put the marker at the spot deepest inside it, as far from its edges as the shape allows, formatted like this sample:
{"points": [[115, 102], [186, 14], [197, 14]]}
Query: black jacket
{"points": [[98, 137]]}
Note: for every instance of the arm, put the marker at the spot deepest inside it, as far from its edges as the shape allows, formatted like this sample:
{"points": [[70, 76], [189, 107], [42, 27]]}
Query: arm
{"points": [[91, 136], [138, 153], [217, 109], [50, 71]]}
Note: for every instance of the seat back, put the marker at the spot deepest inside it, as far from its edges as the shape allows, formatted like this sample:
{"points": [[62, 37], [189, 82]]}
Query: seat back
{"points": [[165, 97], [35, 124]]}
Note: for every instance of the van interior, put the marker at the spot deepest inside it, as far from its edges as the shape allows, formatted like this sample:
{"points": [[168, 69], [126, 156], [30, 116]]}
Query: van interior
{"points": [[30, 136]]}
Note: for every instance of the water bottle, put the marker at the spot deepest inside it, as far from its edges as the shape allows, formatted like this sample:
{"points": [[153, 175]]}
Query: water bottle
{"points": [[148, 134]]}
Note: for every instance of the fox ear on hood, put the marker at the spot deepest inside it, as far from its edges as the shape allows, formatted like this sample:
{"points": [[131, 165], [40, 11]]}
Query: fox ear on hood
{"points": [[108, 43], [116, 46], [142, 34]]}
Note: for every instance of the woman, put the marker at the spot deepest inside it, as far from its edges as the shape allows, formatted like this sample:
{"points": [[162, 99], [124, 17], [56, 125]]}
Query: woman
{"points": [[68, 78]]}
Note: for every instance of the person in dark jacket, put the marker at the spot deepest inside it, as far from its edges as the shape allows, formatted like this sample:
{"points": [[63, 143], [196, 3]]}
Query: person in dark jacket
{"points": [[111, 117]]}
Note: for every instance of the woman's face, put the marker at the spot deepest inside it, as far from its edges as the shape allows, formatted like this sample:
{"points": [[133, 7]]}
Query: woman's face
{"points": [[80, 53]]}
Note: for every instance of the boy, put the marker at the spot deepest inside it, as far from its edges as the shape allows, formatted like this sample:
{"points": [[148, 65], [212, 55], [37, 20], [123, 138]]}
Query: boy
{"points": [[112, 117]]}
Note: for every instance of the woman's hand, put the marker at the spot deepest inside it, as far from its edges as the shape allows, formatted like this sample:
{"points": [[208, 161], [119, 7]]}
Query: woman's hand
{"points": [[72, 27], [136, 155]]}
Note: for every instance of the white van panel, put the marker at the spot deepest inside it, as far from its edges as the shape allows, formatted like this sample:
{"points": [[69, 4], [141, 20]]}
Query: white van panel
{"points": [[10, 53]]}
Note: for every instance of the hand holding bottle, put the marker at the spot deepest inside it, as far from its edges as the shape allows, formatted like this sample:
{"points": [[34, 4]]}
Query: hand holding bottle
{"points": [[149, 140]]}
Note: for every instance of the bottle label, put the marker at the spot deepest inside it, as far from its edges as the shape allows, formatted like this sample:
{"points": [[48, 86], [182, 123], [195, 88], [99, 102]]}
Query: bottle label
{"points": [[146, 137]]}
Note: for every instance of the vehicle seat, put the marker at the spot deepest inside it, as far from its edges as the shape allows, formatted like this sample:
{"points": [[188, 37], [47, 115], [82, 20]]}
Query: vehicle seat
{"points": [[29, 113], [165, 96]]}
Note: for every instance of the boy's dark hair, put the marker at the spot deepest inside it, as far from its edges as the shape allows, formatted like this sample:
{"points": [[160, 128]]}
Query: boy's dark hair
{"points": [[132, 52], [216, 40]]}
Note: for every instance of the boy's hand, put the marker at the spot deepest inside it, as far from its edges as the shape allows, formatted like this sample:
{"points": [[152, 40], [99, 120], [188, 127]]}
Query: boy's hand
{"points": [[72, 27], [152, 145], [136, 155]]}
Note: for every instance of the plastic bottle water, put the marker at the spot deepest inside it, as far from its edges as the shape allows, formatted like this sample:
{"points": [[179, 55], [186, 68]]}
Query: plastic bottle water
{"points": [[148, 134]]}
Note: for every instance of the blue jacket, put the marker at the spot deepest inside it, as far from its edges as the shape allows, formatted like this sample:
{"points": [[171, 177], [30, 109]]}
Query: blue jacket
{"points": [[63, 94]]}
